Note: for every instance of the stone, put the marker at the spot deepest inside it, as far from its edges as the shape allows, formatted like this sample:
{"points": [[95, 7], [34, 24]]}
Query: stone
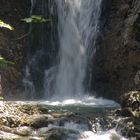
{"points": [[6, 129], [130, 99], [9, 136], [43, 109], [23, 131], [126, 112], [130, 103], [55, 134], [42, 131], [38, 121], [137, 128], [130, 109], [137, 78], [126, 127]]}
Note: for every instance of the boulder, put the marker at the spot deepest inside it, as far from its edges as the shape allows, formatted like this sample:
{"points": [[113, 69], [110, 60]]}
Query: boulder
{"points": [[131, 99], [23, 131], [55, 134], [126, 127], [137, 78], [37, 121]]}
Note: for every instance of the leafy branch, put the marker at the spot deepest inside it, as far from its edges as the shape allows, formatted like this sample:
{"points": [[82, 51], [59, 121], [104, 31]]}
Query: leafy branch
{"points": [[32, 19]]}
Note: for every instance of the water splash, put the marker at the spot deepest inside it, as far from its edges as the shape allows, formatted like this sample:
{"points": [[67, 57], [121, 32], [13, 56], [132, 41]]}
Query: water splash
{"points": [[108, 135], [76, 131], [83, 100]]}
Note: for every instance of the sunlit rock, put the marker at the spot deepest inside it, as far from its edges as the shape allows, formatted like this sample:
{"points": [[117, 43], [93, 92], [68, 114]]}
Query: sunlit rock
{"points": [[130, 99], [23, 131]]}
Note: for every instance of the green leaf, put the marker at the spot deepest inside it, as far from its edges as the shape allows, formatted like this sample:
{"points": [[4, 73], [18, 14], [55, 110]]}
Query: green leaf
{"points": [[5, 25], [4, 63], [35, 19], [1, 98], [27, 20]]}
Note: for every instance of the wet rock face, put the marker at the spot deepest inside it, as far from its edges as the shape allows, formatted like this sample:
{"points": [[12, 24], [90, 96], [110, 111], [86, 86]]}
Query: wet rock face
{"points": [[117, 59]]}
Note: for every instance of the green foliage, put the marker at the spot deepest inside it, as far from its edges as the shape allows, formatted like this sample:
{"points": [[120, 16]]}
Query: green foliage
{"points": [[1, 98], [4, 63], [35, 19], [5, 25]]}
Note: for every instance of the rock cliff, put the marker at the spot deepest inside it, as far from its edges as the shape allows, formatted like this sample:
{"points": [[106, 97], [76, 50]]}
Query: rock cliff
{"points": [[117, 60], [12, 44]]}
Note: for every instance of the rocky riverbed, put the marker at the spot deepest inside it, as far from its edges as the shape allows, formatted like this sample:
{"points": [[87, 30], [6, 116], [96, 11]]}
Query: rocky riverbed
{"points": [[22, 120], [37, 121]]}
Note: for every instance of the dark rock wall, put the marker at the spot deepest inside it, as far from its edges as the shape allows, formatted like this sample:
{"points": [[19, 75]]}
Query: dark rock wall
{"points": [[12, 45], [117, 59], [43, 47]]}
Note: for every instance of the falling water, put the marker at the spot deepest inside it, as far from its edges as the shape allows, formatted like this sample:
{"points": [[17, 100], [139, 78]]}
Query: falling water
{"points": [[78, 26], [43, 48]]}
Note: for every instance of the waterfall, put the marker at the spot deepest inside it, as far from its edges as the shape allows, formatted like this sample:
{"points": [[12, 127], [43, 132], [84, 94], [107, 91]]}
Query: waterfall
{"points": [[78, 27], [61, 50]]}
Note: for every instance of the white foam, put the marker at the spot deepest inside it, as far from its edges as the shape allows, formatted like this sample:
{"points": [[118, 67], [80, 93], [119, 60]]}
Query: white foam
{"points": [[88, 135], [83, 100], [85, 134]]}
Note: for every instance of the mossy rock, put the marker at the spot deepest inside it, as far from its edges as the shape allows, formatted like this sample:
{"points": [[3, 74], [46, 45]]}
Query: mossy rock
{"points": [[42, 109], [60, 133], [29, 109], [38, 121], [55, 134]]}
